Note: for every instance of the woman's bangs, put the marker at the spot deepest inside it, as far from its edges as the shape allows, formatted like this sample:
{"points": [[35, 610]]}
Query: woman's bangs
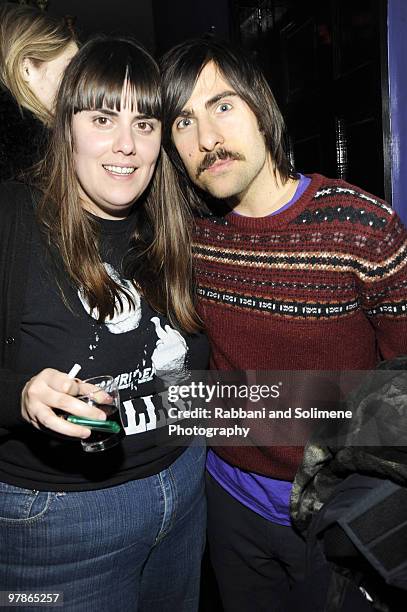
{"points": [[143, 87], [134, 86]]}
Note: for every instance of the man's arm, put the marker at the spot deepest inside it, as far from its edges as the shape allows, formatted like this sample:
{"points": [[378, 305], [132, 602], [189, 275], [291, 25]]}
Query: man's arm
{"points": [[384, 293]]}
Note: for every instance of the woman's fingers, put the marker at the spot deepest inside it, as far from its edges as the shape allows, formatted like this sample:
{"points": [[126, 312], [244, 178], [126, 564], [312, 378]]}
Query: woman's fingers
{"points": [[94, 393], [43, 416], [50, 390], [44, 395]]}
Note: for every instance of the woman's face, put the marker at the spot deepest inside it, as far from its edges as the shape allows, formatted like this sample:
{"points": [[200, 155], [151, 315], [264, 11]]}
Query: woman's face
{"points": [[115, 153], [44, 78]]}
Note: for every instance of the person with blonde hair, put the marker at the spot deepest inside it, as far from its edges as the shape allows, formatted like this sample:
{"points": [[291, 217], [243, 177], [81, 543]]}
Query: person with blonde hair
{"points": [[35, 49]]}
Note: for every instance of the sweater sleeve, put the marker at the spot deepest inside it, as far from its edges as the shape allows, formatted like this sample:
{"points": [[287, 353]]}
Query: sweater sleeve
{"points": [[383, 288]]}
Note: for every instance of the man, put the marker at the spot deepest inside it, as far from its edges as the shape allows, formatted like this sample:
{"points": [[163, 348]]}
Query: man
{"points": [[293, 273]]}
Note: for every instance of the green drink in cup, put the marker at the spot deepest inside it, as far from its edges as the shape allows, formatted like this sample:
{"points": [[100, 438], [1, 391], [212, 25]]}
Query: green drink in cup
{"points": [[102, 392]]}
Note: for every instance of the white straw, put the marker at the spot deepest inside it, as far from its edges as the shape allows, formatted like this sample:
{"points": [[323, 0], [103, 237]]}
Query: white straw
{"points": [[74, 370]]}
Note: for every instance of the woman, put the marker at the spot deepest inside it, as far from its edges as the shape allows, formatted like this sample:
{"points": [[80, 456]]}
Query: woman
{"points": [[35, 49], [96, 270]]}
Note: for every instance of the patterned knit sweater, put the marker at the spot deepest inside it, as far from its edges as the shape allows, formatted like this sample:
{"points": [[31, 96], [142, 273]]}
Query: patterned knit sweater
{"points": [[320, 286]]}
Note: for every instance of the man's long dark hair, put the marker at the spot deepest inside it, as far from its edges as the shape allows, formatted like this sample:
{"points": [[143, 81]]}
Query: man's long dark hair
{"points": [[181, 67]]}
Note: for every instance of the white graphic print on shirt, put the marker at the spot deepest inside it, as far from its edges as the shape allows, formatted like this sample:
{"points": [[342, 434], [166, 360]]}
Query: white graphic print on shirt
{"points": [[164, 355]]}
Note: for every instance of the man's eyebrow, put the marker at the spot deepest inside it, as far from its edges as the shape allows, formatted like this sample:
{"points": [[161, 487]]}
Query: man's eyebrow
{"points": [[220, 96], [188, 112]]}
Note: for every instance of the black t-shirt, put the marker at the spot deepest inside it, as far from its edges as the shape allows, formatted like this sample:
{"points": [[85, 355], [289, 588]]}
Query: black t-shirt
{"points": [[139, 347]]}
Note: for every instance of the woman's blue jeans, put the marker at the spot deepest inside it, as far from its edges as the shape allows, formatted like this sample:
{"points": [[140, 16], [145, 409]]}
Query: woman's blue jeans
{"points": [[136, 546]]}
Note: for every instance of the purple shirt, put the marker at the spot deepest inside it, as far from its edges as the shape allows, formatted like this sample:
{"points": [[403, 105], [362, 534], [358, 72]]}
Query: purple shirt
{"points": [[301, 187], [267, 496]]}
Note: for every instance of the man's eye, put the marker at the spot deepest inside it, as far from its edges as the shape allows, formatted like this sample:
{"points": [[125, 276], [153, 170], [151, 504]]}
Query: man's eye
{"points": [[225, 106], [184, 123], [144, 126]]}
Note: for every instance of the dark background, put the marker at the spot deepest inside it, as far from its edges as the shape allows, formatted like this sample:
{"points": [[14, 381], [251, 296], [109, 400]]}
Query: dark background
{"points": [[158, 24], [326, 61]]}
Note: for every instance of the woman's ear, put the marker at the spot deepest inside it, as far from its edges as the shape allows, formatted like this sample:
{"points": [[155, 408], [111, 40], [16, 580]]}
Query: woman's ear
{"points": [[27, 69]]}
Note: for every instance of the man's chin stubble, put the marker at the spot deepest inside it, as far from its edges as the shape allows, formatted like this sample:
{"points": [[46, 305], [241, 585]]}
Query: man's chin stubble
{"points": [[228, 192]]}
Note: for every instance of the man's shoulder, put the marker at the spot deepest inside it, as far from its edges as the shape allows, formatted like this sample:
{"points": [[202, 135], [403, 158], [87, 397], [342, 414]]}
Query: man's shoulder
{"points": [[206, 223], [326, 203], [340, 199]]}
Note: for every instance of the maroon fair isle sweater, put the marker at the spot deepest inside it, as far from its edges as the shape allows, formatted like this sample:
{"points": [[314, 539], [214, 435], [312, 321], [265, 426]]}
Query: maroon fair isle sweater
{"points": [[320, 286]]}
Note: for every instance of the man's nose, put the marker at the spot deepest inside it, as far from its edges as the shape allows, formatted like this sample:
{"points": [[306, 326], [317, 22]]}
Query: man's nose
{"points": [[209, 136]]}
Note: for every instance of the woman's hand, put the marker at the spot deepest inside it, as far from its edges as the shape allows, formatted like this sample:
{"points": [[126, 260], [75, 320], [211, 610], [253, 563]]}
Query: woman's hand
{"points": [[50, 390]]}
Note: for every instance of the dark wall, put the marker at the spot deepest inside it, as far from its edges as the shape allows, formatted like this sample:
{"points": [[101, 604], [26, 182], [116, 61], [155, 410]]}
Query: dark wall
{"points": [[131, 17], [324, 61], [177, 21], [157, 24]]}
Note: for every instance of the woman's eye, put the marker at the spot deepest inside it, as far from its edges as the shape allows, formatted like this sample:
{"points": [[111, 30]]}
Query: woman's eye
{"points": [[144, 126], [102, 121]]}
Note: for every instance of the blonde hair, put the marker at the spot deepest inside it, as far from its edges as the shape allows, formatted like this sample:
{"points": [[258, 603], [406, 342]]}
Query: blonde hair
{"points": [[27, 32]]}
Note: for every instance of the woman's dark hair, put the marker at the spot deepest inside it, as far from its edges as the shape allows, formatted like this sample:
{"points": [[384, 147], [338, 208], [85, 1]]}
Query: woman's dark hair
{"points": [[160, 260], [181, 67]]}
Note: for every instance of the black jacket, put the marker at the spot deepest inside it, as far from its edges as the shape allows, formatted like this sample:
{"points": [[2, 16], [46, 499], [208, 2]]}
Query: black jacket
{"points": [[23, 138], [373, 443], [16, 224], [350, 493]]}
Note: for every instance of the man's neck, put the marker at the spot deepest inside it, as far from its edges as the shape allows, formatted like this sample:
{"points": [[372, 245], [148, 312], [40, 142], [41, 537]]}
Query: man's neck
{"points": [[266, 194]]}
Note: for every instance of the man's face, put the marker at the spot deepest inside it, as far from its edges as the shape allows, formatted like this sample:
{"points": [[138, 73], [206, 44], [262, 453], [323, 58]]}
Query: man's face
{"points": [[218, 139]]}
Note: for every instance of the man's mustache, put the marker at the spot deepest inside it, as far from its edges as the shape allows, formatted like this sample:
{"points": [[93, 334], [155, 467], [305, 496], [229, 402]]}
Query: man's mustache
{"points": [[211, 158]]}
